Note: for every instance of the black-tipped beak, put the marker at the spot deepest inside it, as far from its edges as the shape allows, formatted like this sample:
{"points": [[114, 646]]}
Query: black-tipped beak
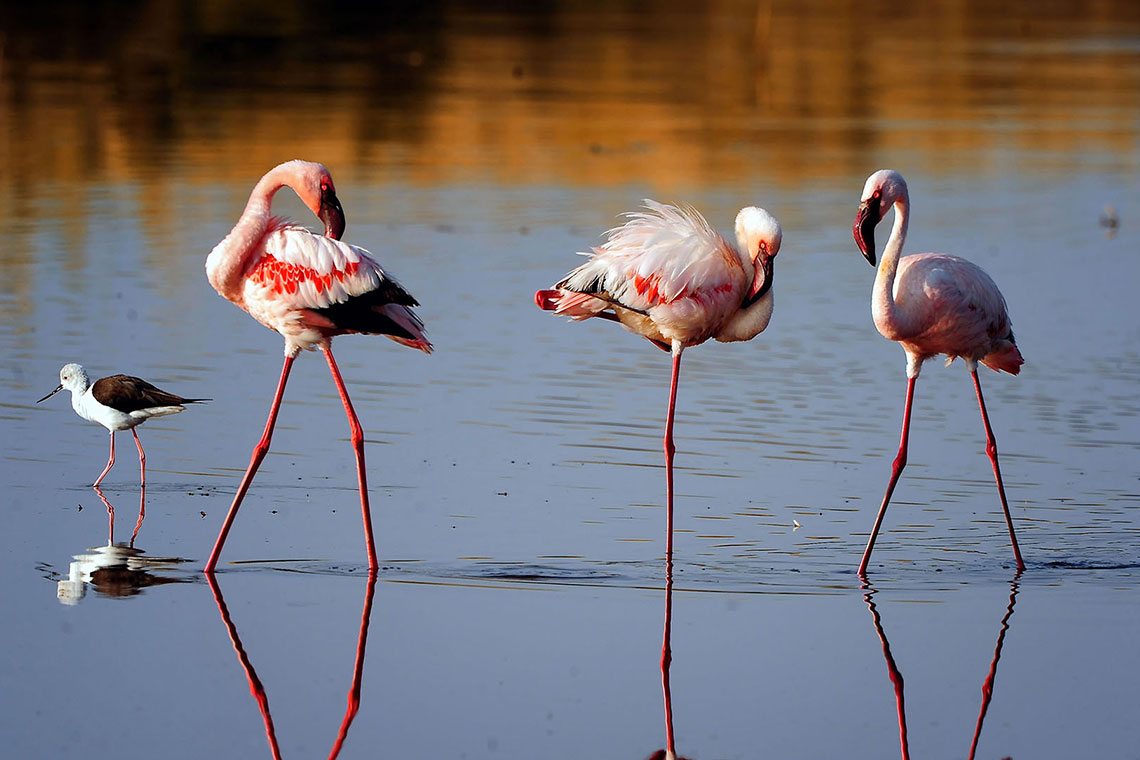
{"points": [[331, 214], [761, 280], [864, 228], [57, 390]]}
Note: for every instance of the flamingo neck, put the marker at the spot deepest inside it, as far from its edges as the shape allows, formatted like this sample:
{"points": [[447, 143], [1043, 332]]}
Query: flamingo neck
{"points": [[225, 266], [891, 321]]}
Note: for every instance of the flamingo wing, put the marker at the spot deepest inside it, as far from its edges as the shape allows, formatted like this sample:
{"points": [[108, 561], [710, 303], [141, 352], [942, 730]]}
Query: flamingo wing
{"points": [[659, 256], [338, 286]]}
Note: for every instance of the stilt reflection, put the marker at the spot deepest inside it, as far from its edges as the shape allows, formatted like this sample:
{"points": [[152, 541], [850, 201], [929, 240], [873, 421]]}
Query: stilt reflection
{"points": [[118, 570], [258, 690], [897, 678]]}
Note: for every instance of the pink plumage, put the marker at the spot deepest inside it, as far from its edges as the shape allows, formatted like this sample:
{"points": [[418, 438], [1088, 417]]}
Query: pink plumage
{"points": [[309, 288], [932, 303], [666, 275]]}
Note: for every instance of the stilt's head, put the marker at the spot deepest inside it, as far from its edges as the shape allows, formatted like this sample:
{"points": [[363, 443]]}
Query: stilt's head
{"points": [[314, 186], [759, 235], [882, 190], [72, 377]]}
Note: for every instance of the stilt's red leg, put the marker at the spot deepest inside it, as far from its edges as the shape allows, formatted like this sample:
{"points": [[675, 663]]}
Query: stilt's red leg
{"points": [[991, 450], [670, 449], [896, 471], [358, 448], [142, 515], [110, 462], [142, 458], [259, 452], [110, 515]]}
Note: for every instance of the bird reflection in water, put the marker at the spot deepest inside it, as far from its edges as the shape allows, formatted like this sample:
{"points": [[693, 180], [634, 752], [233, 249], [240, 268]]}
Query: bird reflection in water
{"points": [[670, 751], [118, 570], [897, 679], [258, 690]]}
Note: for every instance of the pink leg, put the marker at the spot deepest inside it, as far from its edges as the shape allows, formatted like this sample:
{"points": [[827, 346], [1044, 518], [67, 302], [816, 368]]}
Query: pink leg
{"points": [[110, 462], [110, 514], [142, 457], [255, 686], [667, 660], [358, 448], [357, 669], [892, 671], [896, 471], [670, 449], [991, 450], [142, 515], [259, 452]]}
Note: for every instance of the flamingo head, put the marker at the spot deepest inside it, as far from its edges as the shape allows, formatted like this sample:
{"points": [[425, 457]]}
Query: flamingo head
{"points": [[882, 190], [314, 186], [759, 235]]}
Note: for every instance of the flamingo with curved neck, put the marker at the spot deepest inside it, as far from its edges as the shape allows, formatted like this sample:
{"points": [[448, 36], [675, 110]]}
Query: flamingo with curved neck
{"points": [[309, 288], [932, 304]]}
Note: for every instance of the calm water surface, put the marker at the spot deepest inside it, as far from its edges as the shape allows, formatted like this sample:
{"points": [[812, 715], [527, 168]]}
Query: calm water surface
{"points": [[516, 474]]}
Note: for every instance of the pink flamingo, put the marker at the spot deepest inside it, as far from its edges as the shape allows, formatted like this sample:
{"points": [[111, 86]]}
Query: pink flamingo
{"points": [[668, 276], [309, 288], [932, 304]]}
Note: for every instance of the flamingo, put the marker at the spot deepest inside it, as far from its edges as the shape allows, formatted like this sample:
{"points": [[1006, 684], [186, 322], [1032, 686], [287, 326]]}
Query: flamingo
{"points": [[309, 288], [118, 402], [932, 303], [666, 275]]}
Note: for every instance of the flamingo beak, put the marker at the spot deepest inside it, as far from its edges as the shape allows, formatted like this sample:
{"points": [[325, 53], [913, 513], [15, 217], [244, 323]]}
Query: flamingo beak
{"points": [[57, 390], [864, 228], [331, 214], [761, 280]]}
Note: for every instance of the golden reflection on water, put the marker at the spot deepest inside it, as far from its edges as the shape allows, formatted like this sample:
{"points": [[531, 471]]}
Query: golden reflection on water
{"points": [[668, 94]]}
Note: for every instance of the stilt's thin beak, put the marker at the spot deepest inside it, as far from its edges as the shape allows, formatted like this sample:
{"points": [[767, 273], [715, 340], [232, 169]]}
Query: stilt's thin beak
{"points": [[864, 228], [57, 390], [331, 214], [761, 280]]}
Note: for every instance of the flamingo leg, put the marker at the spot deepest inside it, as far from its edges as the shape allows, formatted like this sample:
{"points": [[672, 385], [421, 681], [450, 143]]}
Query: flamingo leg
{"points": [[896, 471], [110, 462], [667, 660], [259, 452], [991, 450], [255, 686], [142, 458], [670, 449], [358, 448], [892, 670], [358, 668]]}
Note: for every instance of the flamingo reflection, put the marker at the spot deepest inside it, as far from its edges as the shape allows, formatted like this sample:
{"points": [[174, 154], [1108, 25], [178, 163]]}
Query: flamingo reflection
{"points": [[117, 570], [258, 690], [897, 678], [670, 750]]}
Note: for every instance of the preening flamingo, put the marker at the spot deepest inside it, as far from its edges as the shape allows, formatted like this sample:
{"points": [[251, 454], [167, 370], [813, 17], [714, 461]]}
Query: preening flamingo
{"points": [[309, 288], [670, 277], [932, 303], [118, 402]]}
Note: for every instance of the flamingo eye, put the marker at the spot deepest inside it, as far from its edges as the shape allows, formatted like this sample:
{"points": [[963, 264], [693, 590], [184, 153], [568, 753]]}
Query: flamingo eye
{"points": [[763, 246], [877, 194]]}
